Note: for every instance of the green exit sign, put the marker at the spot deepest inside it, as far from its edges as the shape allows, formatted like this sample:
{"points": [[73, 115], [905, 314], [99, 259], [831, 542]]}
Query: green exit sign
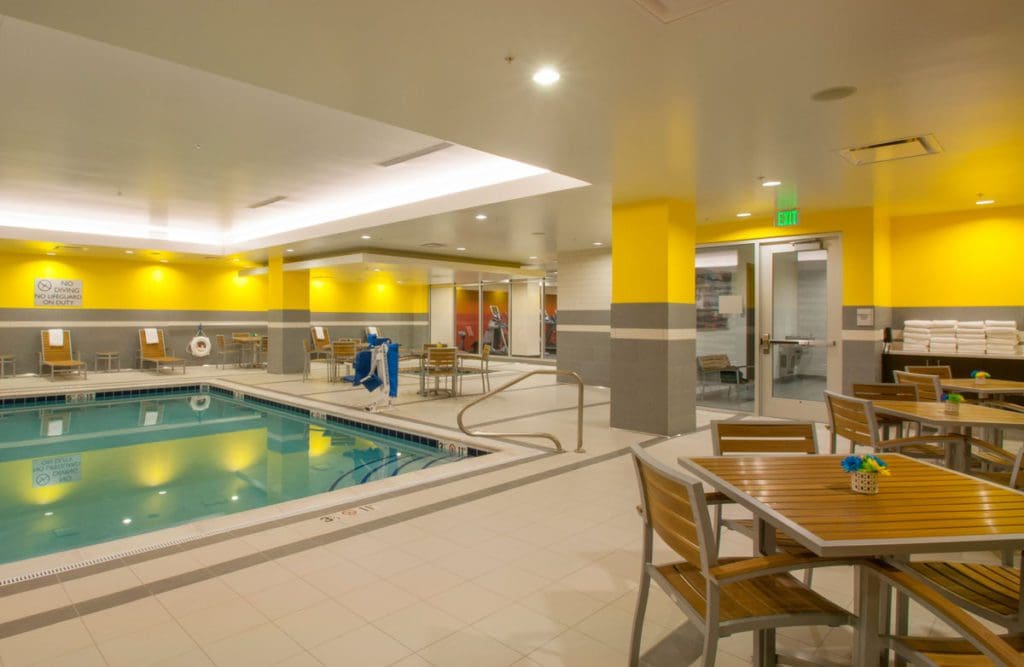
{"points": [[789, 218]]}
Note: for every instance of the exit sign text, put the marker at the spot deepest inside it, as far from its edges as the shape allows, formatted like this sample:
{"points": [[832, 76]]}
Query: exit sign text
{"points": [[788, 218]]}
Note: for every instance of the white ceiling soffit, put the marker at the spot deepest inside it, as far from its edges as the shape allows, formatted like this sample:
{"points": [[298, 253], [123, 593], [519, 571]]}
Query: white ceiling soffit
{"points": [[384, 259], [894, 149], [190, 161], [668, 11]]}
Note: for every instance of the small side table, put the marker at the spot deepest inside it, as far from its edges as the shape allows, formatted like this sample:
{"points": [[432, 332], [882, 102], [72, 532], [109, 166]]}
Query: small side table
{"points": [[7, 360], [109, 359]]}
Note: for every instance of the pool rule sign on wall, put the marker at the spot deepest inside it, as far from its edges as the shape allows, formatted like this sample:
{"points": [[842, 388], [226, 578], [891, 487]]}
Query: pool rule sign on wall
{"points": [[57, 292]]}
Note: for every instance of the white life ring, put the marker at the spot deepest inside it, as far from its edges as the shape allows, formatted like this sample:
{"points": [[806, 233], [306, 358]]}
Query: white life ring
{"points": [[199, 402], [200, 346]]}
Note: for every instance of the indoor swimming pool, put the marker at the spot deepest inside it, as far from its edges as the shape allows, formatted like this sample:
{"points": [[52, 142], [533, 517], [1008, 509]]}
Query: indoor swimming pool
{"points": [[117, 465]]}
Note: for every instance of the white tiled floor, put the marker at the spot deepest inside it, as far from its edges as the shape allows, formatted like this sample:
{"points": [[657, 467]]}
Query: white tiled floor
{"points": [[542, 574]]}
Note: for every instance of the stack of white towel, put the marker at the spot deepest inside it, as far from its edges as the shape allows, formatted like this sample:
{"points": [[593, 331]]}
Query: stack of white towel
{"points": [[943, 336], [1001, 337], [970, 337], [916, 335]]}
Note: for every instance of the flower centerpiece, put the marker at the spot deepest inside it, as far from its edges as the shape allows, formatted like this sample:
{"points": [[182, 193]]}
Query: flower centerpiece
{"points": [[980, 376], [864, 472], [952, 403]]}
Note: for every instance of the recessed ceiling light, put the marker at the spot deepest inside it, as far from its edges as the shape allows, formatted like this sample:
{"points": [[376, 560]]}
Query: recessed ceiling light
{"points": [[480, 216], [365, 237], [162, 492], [532, 257], [47, 513], [126, 521], [744, 214], [598, 243], [546, 76], [460, 248], [289, 249], [129, 252], [376, 269], [163, 261], [984, 201], [51, 254], [234, 497], [770, 184]]}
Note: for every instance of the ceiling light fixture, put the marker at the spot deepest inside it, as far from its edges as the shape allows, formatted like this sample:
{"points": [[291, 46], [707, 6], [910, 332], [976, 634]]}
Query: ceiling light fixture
{"points": [[598, 243], [163, 261], [289, 249], [366, 237], [129, 252], [532, 257], [460, 248], [983, 201], [546, 76], [744, 214], [480, 216], [51, 254], [770, 184]]}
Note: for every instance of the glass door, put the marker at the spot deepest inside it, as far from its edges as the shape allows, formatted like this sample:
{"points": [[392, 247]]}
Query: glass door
{"points": [[801, 322]]}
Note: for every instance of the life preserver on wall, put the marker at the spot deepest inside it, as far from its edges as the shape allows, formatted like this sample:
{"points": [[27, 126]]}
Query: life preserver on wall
{"points": [[199, 402], [200, 346]]}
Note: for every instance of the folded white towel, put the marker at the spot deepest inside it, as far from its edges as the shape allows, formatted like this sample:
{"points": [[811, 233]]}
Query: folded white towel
{"points": [[1001, 323], [945, 331], [973, 324], [944, 340], [944, 323], [56, 337], [152, 338], [319, 333], [917, 323], [1009, 335]]}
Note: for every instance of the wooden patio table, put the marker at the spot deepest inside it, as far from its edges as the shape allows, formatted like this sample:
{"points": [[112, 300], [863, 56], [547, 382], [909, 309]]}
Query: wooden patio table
{"points": [[920, 508], [990, 387]]}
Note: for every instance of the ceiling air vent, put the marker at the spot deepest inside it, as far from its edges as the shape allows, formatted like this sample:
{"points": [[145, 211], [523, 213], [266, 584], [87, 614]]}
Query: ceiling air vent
{"points": [[432, 244], [668, 11], [268, 202], [415, 154], [896, 149]]}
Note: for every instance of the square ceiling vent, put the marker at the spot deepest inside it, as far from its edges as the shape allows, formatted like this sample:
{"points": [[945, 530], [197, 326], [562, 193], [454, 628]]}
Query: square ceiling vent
{"points": [[673, 10], [895, 149]]}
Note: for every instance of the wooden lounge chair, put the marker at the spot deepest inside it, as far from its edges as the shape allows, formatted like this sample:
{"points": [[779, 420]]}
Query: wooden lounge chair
{"points": [[943, 372], [57, 355], [225, 350], [929, 387], [152, 351], [884, 391], [484, 369], [722, 596], [342, 352], [321, 338], [854, 419], [979, 646], [440, 365]]}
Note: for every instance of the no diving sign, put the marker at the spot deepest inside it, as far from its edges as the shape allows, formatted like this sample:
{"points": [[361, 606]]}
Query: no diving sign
{"points": [[56, 470], [54, 292]]}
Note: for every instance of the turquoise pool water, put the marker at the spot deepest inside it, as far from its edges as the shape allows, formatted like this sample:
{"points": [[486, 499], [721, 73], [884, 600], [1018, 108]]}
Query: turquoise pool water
{"points": [[78, 474]]}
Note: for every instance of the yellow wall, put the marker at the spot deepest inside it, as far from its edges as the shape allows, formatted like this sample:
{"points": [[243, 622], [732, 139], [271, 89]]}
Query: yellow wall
{"points": [[652, 253], [125, 284], [380, 294], [970, 258]]}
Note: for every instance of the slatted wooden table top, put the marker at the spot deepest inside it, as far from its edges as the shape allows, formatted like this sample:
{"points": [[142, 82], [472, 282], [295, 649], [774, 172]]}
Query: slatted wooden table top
{"points": [[920, 507], [989, 386], [934, 412]]}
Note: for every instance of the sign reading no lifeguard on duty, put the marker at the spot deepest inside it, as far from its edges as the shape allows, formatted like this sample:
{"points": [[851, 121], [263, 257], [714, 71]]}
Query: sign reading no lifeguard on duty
{"points": [[55, 292]]}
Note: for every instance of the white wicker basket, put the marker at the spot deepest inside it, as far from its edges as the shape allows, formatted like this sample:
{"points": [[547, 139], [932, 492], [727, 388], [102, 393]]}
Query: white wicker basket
{"points": [[864, 482]]}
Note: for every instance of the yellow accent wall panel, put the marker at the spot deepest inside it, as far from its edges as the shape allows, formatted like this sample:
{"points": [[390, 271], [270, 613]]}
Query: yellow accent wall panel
{"points": [[380, 294], [133, 285], [286, 290], [971, 258], [652, 252]]}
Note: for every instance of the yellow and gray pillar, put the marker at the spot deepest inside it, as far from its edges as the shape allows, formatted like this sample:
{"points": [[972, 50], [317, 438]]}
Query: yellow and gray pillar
{"points": [[653, 318], [287, 316]]}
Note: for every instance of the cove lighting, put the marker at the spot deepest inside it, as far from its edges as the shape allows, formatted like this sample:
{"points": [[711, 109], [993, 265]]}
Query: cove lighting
{"points": [[985, 202], [717, 259], [532, 257], [460, 249], [744, 214], [365, 237], [598, 243], [480, 216], [546, 76], [770, 184]]}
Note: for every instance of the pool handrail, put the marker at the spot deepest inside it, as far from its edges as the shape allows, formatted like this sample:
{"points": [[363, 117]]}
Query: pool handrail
{"points": [[558, 445]]}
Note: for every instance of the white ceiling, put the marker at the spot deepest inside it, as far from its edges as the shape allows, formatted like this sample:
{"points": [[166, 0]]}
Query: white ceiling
{"points": [[698, 108]]}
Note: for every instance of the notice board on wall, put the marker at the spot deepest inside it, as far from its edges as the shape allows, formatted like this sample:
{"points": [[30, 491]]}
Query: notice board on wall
{"points": [[57, 292]]}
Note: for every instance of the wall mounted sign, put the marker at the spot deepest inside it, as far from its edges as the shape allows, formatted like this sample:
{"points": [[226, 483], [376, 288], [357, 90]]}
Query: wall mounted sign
{"points": [[56, 470], [56, 292]]}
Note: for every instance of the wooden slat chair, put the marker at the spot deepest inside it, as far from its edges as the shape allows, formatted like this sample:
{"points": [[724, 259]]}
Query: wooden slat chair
{"points": [[978, 646], [942, 372], [440, 365], [882, 391], [718, 367], [929, 387], [721, 596], [310, 355], [225, 350], [60, 358], [466, 366], [854, 419], [156, 353], [342, 352], [321, 338]]}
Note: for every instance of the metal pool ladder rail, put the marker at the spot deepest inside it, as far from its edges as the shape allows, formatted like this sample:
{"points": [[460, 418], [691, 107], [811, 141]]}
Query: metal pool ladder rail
{"points": [[558, 445]]}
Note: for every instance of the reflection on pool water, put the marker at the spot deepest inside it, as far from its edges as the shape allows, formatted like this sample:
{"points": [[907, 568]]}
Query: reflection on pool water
{"points": [[75, 475]]}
